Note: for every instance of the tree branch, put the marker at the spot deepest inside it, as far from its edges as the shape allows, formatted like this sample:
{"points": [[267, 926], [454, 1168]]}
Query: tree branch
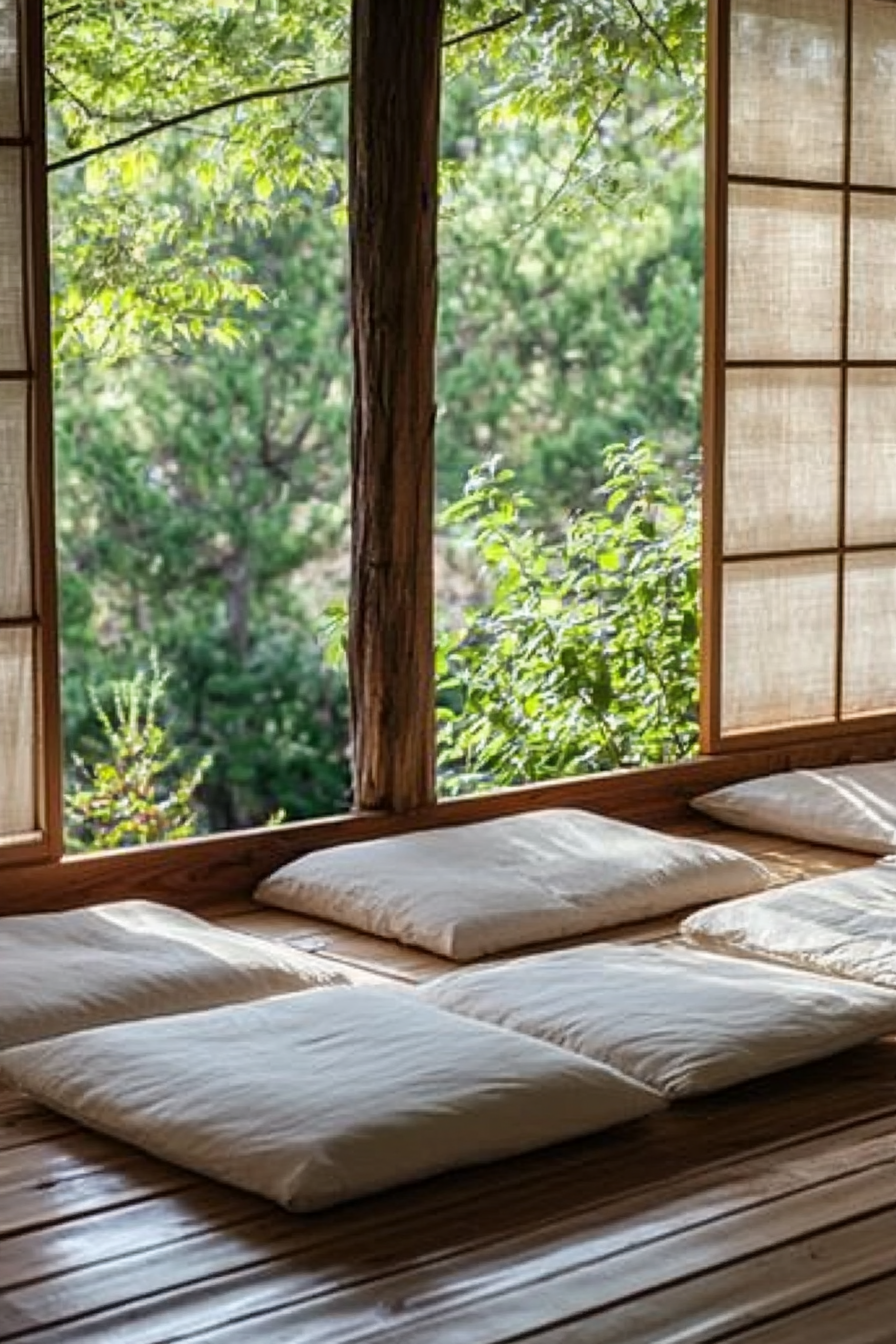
{"points": [[582, 149], [506, 21], [55, 15], [168, 123], [257, 95], [92, 113], [655, 33]]}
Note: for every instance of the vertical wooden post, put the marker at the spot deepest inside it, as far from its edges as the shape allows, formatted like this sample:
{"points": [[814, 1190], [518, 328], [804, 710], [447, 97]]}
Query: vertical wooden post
{"points": [[393, 158], [718, 38]]}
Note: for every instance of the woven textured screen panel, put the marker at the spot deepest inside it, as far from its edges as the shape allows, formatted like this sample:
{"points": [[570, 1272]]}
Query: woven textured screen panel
{"points": [[10, 126], [13, 358], [18, 816], [874, 106], [788, 88], [869, 633], [15, 528], [871, 458], [872, 277], [781, 459], [785, 248], [780, 652]]}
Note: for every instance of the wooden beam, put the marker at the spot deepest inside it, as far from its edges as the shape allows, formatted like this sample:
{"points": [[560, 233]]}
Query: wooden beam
{"points": [[715, 301], [194, 873], [393, 158]]}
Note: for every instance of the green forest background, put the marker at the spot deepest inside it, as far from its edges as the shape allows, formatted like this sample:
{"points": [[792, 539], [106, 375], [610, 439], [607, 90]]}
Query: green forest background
{"points": [[203, 388]]}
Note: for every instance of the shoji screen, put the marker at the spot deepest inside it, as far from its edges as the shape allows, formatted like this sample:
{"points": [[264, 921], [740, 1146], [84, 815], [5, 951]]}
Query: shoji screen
{"points": [[800, 541], [29, 772]]}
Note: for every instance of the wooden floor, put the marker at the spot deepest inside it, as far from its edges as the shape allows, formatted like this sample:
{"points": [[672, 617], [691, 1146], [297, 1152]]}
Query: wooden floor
{"points": [[763, 1215]]}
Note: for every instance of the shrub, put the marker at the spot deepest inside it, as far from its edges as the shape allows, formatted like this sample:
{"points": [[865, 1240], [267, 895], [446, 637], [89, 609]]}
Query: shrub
{"points": [[584, 658], [136, 792]]}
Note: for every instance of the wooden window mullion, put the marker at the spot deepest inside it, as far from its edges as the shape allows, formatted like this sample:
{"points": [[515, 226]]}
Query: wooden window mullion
{"points": [[393, 159], [715, 301]]}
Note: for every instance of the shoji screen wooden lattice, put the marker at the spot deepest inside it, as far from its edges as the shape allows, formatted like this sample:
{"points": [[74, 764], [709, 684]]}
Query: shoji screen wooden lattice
{"points": [[800, 526], [29, 737]]}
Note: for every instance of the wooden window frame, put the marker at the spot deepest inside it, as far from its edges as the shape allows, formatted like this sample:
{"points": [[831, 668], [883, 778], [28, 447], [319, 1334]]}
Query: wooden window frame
{"points": [[392, 188], [47, 844]]}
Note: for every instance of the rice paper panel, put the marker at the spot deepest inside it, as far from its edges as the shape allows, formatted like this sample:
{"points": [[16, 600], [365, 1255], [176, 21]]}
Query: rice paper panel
{"points": [[873, 162], [872, 277], [18, 734], [779, 635], [869, 633], [871, 457], [784, 273], [10, 124], [787, 89], [781, 460], [13, 354], [15, 507]]}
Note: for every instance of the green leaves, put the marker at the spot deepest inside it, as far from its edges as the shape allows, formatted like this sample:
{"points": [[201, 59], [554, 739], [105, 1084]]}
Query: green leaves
{"points": [[137, 791], [201, 307], [583, 658]]}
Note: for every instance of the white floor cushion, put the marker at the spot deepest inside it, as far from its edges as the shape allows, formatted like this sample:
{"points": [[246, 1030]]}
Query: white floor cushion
{"points": [[129, 959], [317, 1098], [681, 1021], [851, 806], [466, 891], [843, 925]]}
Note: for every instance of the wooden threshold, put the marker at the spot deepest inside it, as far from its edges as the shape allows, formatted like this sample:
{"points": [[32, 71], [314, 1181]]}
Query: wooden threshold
{"points": [[192, 873]]}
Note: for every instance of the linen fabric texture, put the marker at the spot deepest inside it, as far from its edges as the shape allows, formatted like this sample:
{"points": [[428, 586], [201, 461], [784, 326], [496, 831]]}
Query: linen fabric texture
{"points": [[466, 891]]}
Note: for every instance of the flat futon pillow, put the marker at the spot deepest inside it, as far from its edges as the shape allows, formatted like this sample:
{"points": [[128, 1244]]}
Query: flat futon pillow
{"points": [[467, 891], [844, 924], [680, 1021], [128, 959], [850, 806], [312, 1099]]}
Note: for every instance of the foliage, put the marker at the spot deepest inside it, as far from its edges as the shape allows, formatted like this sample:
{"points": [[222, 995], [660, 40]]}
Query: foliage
{"points": [[201, 324], [137, 262], [195, 493], [136, 791], [584, 656], [581, 332]]}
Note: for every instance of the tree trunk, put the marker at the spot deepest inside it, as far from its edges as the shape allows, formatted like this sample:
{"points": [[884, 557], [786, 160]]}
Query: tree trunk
{"points": [[393, 157]]}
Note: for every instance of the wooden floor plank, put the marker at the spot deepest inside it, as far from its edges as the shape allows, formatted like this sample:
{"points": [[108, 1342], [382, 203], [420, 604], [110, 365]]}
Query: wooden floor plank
{"points": [[762, 1215], [93, 1242], [709, 1304], [31, 1128], [295, 1261], [39, 1201], [524, 1281], [866, 1315]]}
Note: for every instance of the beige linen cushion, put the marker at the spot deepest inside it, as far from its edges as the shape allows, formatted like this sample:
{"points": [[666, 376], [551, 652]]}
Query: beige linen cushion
{"points": [[844, 924], [680, 1021], [128, 959], [312, 1099], [850, 806], [466, 891]]}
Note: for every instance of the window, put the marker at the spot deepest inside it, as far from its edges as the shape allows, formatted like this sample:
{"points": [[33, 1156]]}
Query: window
{"points": [[800, 522]]}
